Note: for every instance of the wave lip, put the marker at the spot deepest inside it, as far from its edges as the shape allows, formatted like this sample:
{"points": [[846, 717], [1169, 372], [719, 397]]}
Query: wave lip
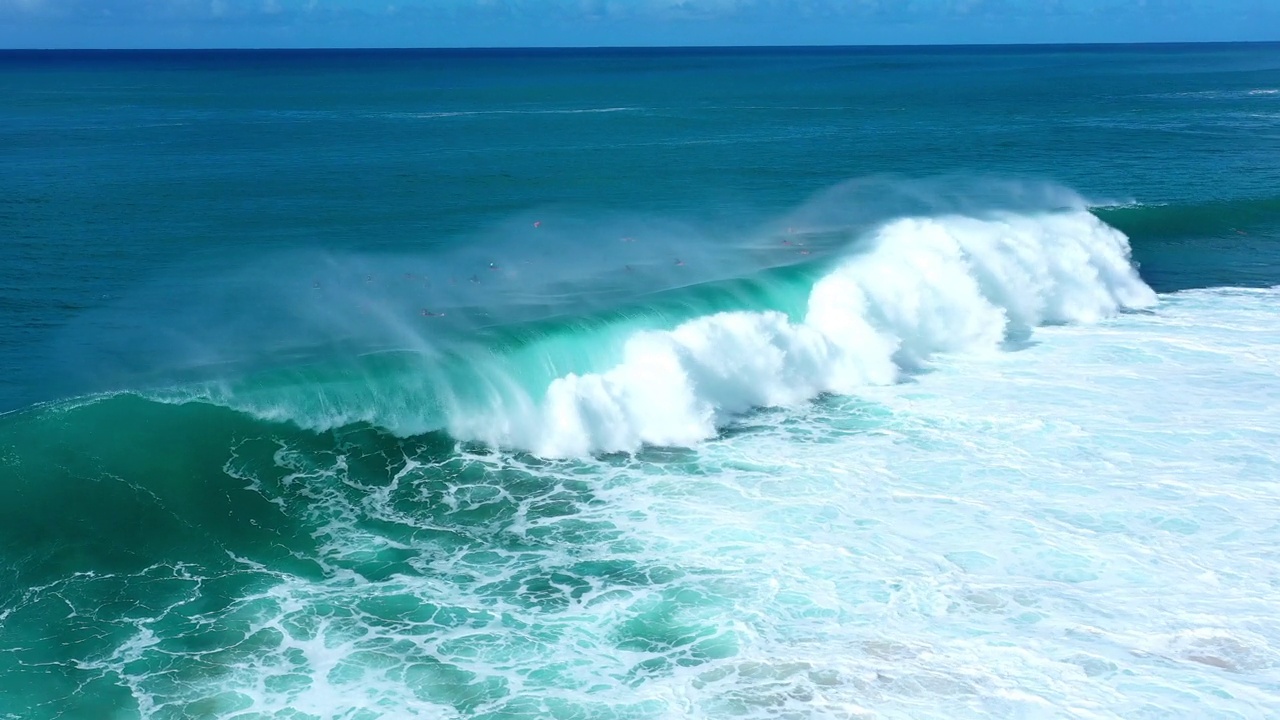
{"points": [[923, 286]]}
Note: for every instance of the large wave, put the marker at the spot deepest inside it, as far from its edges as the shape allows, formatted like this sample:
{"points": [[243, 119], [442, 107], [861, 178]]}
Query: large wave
{"points": [[917, 287], [925, 286]]}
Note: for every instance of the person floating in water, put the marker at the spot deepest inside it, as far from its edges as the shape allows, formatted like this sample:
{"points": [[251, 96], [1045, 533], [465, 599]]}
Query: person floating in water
{"points": [[475, 279], [679, 262], [428, 313]]}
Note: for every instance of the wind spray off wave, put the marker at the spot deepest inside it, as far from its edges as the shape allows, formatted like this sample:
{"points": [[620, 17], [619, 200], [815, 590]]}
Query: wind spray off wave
{"points": [[923, 286], [902, 292]]}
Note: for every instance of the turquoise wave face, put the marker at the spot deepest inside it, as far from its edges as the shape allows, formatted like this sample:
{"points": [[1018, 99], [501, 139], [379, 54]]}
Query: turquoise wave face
{"points": [[1212, 243]]}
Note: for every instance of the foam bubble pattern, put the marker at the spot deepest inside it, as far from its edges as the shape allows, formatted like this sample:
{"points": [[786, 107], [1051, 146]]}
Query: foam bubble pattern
{"points": [[1080, 527]]}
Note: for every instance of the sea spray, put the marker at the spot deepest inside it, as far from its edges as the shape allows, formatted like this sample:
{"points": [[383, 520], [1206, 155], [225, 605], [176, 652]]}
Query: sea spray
{"points": [[906, 291]]}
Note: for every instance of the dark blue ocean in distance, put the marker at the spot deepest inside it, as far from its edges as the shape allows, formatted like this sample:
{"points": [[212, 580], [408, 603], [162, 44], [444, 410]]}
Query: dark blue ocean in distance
{"points": [[929, 382]]}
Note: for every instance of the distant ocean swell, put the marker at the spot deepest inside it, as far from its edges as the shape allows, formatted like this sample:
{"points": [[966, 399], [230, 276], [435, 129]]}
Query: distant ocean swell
{"points": [[912, 289]]}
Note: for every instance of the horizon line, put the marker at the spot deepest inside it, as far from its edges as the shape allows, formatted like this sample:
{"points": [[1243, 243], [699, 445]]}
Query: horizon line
{"points": [[375, 48]]}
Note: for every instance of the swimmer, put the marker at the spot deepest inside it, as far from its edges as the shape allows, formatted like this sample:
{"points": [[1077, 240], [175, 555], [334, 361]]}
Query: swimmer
{"points": [[475, 279], [679, 262], [493, 266], [537, 223]]}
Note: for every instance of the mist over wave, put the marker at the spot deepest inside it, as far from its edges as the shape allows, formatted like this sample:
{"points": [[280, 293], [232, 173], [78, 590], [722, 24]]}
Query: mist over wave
{"points": [[573, 334]]}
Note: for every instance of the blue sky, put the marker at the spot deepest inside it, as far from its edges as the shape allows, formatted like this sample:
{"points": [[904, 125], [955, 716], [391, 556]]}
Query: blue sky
{"points": [[487, 23]]}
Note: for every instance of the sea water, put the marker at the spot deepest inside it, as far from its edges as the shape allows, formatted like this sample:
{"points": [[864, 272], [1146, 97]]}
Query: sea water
{"points": [[775, 383]]}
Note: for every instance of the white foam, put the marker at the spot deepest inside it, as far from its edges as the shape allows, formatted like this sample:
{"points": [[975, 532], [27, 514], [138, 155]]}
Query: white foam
{"points": [[924, 286]]}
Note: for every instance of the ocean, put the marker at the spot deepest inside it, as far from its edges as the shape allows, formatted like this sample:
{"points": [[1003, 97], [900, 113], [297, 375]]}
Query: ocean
{"points": [[641, 383]]}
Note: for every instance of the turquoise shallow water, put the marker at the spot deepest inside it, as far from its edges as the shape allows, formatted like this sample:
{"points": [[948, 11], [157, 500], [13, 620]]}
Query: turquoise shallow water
{"points": [[895, 383]]}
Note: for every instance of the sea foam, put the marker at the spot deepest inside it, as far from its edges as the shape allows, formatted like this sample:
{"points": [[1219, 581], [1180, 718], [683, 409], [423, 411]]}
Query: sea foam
{"points": [[918, 287]]}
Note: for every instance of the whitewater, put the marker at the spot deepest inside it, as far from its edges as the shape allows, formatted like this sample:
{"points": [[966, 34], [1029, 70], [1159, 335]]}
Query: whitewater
{"points": [[915, 509]]}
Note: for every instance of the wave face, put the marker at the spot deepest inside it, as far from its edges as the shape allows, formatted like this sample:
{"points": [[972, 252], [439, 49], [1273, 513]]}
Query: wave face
{"points": [[905, 292], [923, 287]]}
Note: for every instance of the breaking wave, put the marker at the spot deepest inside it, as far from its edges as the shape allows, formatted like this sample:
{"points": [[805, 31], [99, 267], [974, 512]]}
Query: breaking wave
{"points": [[914, 288]]}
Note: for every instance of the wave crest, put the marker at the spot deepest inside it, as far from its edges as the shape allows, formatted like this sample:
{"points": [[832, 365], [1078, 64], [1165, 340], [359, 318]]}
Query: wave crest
{"points": [[923, 286]]}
